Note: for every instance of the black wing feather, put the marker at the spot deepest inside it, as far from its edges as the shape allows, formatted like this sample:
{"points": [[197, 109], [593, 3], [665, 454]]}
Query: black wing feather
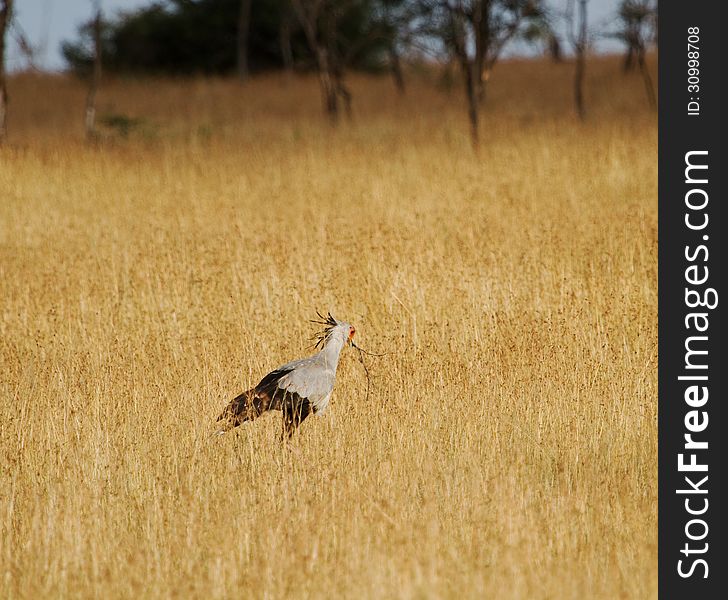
{"points": [[269, 383], [255, 401]]}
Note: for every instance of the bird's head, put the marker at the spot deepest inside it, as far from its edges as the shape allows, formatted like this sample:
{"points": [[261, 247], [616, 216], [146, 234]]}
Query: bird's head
{"points": [[333, 329]]}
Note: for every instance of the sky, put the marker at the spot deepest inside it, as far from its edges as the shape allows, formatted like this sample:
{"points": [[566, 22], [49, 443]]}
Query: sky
{"points": [[46, 23]]}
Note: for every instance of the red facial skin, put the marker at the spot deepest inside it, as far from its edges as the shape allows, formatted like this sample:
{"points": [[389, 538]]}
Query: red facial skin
{"points": [[352, 331]]}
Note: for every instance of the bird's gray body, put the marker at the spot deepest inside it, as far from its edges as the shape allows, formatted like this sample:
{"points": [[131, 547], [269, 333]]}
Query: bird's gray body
{"points": [[297, 388], [313, 377]]}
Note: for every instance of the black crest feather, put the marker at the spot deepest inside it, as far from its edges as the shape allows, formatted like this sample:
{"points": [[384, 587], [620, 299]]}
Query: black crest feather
{"points": [[328, 322]]}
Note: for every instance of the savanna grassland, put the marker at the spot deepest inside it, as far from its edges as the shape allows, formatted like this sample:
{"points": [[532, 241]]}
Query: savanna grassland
{"points": [[507, 447]]}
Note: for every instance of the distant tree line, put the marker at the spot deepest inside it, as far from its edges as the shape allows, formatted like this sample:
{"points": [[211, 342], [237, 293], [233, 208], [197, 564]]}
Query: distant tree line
{"points": [[178, 37], [332, 37]]}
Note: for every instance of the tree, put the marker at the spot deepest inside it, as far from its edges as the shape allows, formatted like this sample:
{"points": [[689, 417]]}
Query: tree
{"points": [[578, 35], [395, 20], [95, 76], [638, 21], [320, 39], [243, 30], [474, 33], [284, 35], [6, 13], [28, 50], [541, 33], [186, 37], [340, 34]]}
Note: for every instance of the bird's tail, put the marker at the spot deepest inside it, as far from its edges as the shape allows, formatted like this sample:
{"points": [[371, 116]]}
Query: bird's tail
{"points": [[242, 408], [221, 431]]}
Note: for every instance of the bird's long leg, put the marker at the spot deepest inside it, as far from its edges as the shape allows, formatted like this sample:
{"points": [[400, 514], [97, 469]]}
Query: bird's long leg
{"points": [[295, 411]]}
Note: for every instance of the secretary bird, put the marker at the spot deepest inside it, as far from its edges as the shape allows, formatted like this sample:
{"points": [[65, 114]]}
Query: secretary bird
{"points": [[297, 388]]}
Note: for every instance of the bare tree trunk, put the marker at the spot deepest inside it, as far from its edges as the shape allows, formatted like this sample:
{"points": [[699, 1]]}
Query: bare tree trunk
{"points": [[326, 81], [243, 30], [580, 50], [482, 84], [471, 90], [6, 8], [396, 67], [446, 77], [480, 28], [95, 79], [579, 85], [628, 63], [651, 98], [471, 74], [285, 41], [336, 67], [330, 79], [26, 48], [555, 48], [345, 94]]}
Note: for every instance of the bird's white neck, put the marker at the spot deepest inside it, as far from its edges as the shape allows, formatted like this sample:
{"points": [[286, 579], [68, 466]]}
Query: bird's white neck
{"points": [[332, 350]]}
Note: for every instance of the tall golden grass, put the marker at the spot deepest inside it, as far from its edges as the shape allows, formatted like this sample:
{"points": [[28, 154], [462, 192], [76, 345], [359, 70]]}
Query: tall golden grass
{"points": [[507, 448]]}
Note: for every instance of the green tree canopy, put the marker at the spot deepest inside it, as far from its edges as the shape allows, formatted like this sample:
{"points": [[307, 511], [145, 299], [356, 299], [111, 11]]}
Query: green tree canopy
{"points": [[200, 36]]}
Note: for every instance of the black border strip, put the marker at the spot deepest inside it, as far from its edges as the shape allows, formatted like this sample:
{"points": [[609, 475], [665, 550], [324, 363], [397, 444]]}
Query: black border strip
{"points": [[680, 249]]}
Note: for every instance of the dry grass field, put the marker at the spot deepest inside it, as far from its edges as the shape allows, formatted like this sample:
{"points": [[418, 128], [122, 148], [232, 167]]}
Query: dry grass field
{"points": [[508, 446]]}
